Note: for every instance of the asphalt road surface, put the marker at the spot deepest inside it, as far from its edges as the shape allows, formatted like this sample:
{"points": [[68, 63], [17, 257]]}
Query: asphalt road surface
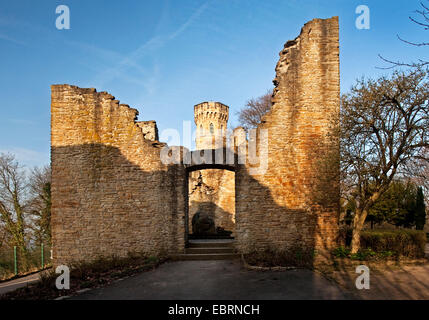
{"points": [[219, 279], [18, 283]]}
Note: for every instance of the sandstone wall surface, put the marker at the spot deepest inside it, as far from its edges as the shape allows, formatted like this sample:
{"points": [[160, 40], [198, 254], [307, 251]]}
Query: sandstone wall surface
{"points": [[279, 209], [111, 194], [212, 191]]}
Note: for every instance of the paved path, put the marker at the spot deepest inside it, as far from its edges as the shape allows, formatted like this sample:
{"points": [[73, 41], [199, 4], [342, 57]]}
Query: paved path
{"points": [[18, 283], [218, 279]]}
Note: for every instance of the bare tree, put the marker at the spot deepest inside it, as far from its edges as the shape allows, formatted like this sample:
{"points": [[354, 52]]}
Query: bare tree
{"points": [[13, 196], [2, 235], [251, 114], [384, 126], [40, 203], [422, 21]]}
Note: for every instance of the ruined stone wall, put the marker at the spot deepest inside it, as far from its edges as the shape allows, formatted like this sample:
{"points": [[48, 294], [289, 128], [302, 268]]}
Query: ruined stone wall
{"points": [[111, 194], [295, 202], [212, 191], [149, 130]]}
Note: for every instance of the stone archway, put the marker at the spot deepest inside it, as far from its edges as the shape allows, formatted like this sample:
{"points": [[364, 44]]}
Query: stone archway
{"points": [[210, 203]]}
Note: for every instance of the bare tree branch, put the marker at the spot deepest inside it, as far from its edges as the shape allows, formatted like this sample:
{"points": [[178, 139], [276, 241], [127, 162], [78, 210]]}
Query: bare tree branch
{"points": [[384, 127], [424, 13], [251, 114]]}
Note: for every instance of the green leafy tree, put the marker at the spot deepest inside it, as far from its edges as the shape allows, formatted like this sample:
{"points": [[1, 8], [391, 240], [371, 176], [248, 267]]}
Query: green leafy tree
{"points": [[403, 197], [396, 206], [420, 210]]}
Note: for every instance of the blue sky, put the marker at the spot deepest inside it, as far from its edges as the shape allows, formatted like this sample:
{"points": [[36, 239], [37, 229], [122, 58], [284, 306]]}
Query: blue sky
{"points": [[163, 57]]}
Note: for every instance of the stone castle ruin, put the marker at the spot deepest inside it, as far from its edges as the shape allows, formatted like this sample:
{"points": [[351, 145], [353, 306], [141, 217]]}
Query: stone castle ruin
{"points": [[211, 191], [112, 194]]}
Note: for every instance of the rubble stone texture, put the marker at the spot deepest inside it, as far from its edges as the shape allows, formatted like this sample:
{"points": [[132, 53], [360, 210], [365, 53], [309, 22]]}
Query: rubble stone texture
{"points": [[296, 203], [110, 192], [212, 193], [112, 195]]}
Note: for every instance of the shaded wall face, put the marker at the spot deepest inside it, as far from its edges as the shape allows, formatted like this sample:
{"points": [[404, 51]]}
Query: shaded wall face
{"points": [[212, 192], [111, 195], [295, 202]]}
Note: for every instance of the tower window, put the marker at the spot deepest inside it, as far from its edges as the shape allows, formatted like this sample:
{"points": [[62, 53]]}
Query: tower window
{"points": [[211, 128]]}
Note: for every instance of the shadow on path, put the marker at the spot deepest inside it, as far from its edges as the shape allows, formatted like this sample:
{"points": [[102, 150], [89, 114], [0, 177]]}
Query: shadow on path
{"points": [[183, 280]]}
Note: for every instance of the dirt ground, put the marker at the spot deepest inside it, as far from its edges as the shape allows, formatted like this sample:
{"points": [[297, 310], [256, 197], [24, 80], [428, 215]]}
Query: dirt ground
{"points": [[391, 281]]}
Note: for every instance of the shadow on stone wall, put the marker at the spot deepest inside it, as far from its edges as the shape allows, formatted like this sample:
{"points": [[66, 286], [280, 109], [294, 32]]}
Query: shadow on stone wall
{"points": [[212, 193], [103, 205], [207, 215], [264, 225]]}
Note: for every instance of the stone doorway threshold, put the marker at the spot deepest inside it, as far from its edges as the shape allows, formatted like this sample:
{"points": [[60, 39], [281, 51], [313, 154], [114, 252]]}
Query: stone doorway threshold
{"points": [[208, 249]]}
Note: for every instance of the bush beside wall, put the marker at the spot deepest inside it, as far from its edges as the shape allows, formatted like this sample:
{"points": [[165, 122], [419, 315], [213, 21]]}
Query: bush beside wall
{"points": [[402, 242]]}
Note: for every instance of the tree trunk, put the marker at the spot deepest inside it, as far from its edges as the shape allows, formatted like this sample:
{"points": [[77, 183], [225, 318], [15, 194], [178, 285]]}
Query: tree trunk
{"points": [[358, 222]]}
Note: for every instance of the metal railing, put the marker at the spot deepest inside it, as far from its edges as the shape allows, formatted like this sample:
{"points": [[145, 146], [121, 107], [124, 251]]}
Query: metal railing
{"points": [[12, 263]]}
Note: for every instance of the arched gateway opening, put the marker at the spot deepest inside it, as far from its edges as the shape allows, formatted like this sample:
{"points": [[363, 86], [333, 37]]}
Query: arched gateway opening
{"points": [[210, 178], [210, 210]]}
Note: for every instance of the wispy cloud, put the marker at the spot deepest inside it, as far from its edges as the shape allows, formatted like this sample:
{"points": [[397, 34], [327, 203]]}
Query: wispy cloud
{"points": [[102, 53], [26, 122], [129, 61], [114, 65], [193, 17], [9, 39], [153, 44], [28, 157]]}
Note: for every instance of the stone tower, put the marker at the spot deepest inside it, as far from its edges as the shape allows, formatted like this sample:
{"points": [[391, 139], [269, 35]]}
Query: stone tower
{"points": [[212, 191], [211, 119]]}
